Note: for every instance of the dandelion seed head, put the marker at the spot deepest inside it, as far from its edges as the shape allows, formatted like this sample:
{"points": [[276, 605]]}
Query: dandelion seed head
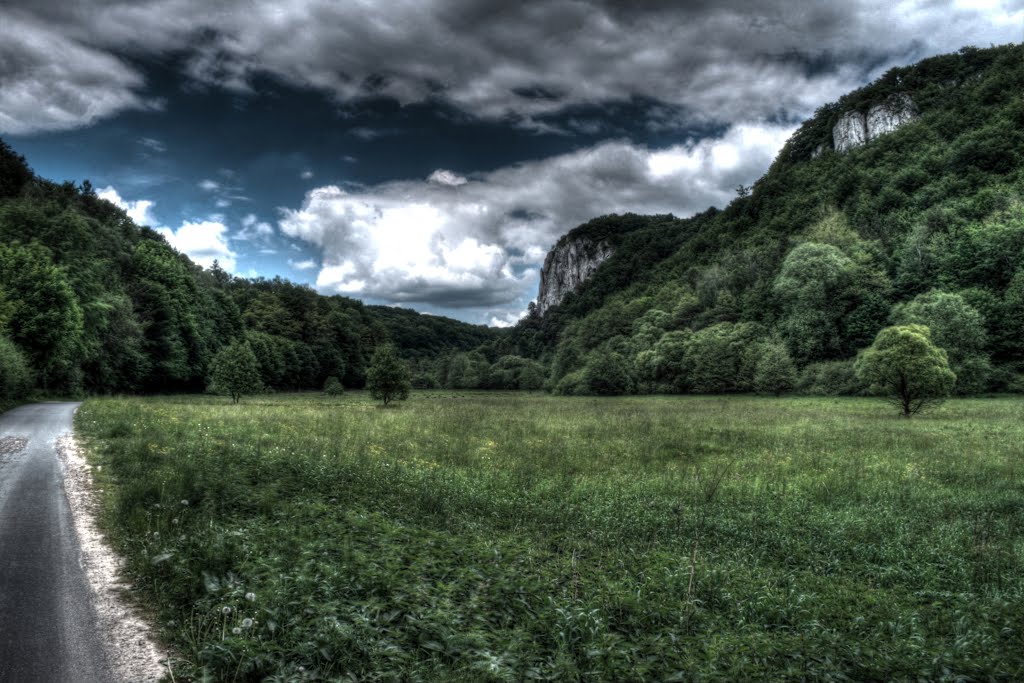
{"points": [[251, 597], [247, 623], [237, 631], [225, 610]]}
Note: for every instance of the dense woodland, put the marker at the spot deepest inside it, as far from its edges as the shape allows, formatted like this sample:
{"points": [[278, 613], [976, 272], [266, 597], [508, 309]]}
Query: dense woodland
{"points": [[91, 302], [778, 291], [924, 225]]}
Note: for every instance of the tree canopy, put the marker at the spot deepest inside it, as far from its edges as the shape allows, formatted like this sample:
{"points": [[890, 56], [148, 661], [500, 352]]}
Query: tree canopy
{"points": [[904, 367], [388, 378]]}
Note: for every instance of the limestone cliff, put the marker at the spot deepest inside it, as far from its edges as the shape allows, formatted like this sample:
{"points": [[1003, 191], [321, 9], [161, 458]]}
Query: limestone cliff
{"points": [[567, 265], [855, 128]]}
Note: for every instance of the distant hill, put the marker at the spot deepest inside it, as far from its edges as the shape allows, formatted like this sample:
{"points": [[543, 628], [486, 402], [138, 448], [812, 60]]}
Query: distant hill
{"points": [[901, 202], [91, 302]]}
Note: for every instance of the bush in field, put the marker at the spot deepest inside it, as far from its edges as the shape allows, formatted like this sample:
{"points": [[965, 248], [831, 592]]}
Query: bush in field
{"points": [[774, 372], [906, 368], [333, 387], [235, 371], [15, 374], [388, 378]]}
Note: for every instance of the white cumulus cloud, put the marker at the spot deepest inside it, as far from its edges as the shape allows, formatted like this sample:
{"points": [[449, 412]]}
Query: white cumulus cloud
{"points": [[204, 242], [138, 210], [477, 243]]}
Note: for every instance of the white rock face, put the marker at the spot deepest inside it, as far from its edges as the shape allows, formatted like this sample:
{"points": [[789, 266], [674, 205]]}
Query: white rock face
{"points": [[849, 132], [566, 267], [854, 129], [889, 115]]}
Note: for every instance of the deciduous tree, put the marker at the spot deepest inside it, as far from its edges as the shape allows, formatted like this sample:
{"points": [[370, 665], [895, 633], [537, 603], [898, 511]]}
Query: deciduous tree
{"points": [[388, 378], [235, 371], [904, 367]]}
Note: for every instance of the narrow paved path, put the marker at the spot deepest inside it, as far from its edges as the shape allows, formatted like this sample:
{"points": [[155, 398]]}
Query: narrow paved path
{"points": [[47, 623]]}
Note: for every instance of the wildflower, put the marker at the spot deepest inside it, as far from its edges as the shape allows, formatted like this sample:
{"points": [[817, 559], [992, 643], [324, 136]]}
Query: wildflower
{"points": [[184, 502], [174, 521], [247, 623], [237, 631], [225, 610], [251, 597]]}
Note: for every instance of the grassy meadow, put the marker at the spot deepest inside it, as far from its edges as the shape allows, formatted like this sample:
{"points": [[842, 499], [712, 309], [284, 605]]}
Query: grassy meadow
{"points": [[515, 537]]}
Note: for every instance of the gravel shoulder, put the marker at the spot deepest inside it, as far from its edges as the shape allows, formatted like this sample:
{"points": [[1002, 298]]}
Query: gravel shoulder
{"points": [[134, 654]]}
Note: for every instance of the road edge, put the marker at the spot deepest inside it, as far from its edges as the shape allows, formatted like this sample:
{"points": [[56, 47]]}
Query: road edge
{"points": [[133, 652]]}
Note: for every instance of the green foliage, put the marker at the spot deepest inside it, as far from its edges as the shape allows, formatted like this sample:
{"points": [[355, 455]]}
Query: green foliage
{"points": [[830, 378], [98, 303], [810, 289], [906, 368], [606, 374], [14, 172], [723, 358], [15, 373], [825, 246], [333, 387], [518, 538], [514, 372], [957, 328], [775, 372], [42, 314], [234, 371], [663, 369], [388, 378]]}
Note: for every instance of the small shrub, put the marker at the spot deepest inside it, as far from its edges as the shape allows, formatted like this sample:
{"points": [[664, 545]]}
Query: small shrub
{"points": [[333, 387]]}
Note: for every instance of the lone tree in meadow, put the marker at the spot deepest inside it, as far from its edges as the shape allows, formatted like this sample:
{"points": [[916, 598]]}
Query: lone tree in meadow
{"points": [[388, 377], [235, 371], [906, 368]]}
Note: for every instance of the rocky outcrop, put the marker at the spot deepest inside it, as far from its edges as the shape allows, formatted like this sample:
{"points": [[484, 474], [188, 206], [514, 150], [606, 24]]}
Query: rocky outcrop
{"points": [[569, 264], [855, 128], [850, 131]]}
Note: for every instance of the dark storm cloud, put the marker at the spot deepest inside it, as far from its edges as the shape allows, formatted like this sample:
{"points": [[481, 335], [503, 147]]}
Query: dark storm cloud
{"points": [[718, 61]]}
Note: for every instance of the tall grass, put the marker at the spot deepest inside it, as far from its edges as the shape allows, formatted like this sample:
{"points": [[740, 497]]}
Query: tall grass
{"points": [[509, 537]]}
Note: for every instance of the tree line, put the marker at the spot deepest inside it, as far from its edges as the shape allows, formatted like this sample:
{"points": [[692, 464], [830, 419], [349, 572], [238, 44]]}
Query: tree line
{"points": [[91, 302]]}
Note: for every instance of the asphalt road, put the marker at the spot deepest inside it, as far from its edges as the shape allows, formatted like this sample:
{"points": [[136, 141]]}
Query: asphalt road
{"points": [[47, 622]]}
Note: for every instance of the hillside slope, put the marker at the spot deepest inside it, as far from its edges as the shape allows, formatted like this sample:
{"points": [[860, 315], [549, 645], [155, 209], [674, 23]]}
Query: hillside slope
{"points": [[923, 222], [91, 302]]}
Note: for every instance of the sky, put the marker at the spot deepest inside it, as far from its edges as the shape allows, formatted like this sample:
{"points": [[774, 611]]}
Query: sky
{"points": [[428, 153]]}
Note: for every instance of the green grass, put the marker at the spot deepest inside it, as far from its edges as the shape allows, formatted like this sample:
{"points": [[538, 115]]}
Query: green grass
{"points": [[510, 537]]}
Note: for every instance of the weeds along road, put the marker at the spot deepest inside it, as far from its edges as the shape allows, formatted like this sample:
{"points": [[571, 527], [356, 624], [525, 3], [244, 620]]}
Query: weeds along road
{"points": [[47, 622]]}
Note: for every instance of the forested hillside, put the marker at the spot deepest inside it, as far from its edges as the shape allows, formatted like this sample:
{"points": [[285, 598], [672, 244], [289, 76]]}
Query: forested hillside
{"points": [[91, 302], [924, 224]]}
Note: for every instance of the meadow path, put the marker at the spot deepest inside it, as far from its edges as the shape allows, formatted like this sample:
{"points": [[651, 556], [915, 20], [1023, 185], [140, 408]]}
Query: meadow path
{"points": [[47, 621]]}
